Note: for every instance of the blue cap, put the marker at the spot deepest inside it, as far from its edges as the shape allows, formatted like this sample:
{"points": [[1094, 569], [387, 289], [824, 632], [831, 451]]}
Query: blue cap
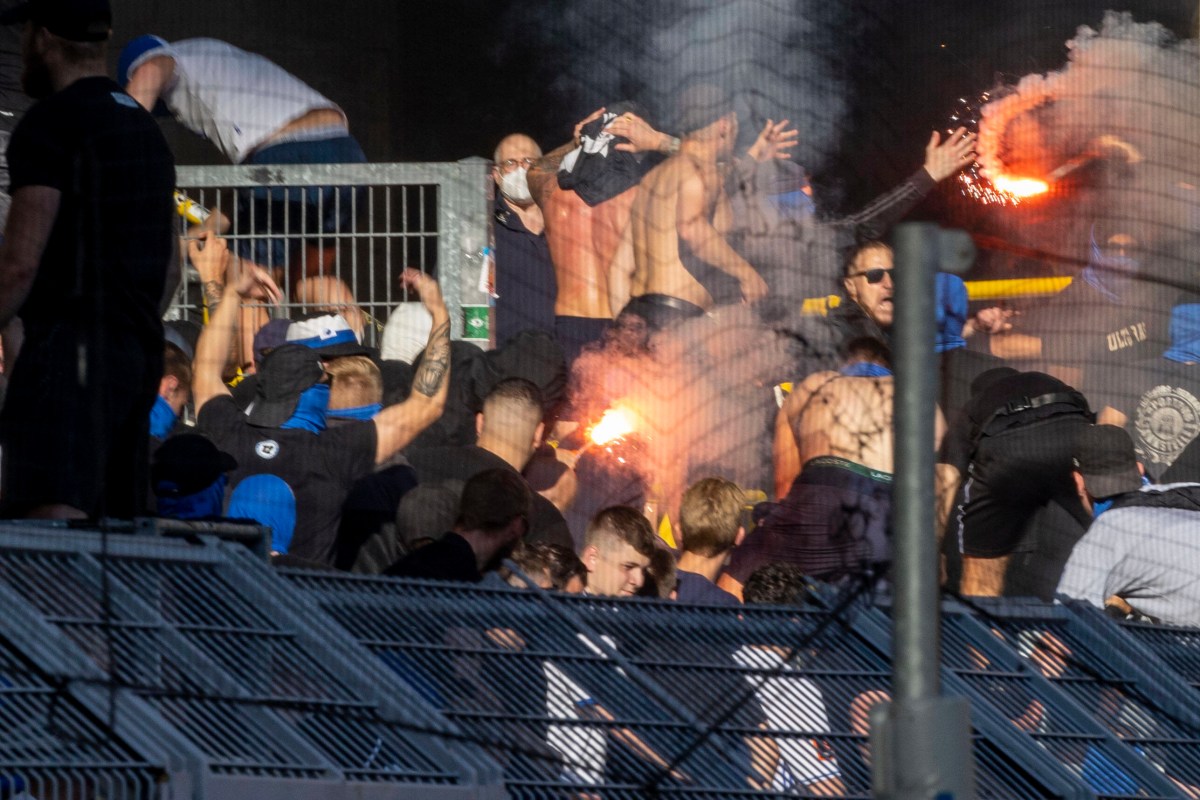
{"points": [[133, 53]]}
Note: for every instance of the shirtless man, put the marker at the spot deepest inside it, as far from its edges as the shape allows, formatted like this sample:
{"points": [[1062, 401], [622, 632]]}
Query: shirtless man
{"points": [[680, 217], [833, 472], [585, 240]]}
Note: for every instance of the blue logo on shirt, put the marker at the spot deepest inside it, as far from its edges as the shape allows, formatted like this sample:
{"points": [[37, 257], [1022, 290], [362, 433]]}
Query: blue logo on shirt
{"points": [[124, 99]]}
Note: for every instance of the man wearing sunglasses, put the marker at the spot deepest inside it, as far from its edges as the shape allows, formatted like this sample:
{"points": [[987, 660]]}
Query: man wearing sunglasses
{"points": [[869, 289]]}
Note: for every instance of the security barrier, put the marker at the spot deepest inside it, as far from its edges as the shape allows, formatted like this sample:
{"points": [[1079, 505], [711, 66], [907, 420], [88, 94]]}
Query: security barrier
{"points": [[142, 667], [358, 223]]}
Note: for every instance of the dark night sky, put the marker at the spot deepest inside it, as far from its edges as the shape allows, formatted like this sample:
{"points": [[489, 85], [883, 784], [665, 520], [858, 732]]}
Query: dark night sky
{"points": [[445, 80]]}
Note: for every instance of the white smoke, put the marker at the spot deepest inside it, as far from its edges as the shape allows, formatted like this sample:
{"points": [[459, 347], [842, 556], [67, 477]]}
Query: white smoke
{"points": [[779, 58], [702, 397], [1130, 82]]}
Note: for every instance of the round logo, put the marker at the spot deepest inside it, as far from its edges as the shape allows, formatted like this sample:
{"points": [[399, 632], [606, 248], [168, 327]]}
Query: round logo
{"points": [[267, 449], [1166, 421]]}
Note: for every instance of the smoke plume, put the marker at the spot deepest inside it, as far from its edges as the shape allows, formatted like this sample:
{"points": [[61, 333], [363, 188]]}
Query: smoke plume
{"points": [[1126, 110]]}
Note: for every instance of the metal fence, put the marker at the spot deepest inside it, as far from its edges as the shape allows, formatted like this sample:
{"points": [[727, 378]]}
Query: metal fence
{"points": [[360, 224], [142, 667], [1038, 674], [216, 672]]}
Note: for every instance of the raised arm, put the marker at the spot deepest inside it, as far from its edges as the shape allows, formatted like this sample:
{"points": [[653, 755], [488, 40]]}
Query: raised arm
{"points": [[254, 284], [399, 424], [707, 243]]}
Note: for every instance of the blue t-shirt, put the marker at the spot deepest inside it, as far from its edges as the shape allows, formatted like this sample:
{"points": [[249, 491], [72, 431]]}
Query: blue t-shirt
{"points": [[695, 588]]}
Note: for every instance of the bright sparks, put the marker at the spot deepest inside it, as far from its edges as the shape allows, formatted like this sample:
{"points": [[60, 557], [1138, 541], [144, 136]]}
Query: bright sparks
{"points": [[1020, 187], [614, 424]]}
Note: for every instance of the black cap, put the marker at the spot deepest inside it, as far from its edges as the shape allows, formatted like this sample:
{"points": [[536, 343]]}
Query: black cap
{"points": [[1105, 457], [186, 464], [285, 373], [74, 20]]}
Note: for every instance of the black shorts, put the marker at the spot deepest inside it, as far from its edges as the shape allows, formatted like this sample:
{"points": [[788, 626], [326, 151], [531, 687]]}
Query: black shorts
{"points": [[83, 446], [834, 522], [576, 333], [1012, 475]]}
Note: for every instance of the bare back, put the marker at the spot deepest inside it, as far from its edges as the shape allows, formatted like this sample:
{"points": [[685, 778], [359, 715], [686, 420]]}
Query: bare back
{"points": [[834, 415], [655, 224], [583, 242]]}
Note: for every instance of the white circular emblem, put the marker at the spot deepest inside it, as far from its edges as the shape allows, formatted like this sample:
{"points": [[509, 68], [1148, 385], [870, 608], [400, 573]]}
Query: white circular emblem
{"points": [[1166, 420], [267, 449]]}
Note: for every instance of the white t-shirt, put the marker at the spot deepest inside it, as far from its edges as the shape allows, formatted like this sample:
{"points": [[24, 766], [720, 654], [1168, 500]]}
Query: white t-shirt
{"points": [[791, 704], [584, 748], [235, 98]]}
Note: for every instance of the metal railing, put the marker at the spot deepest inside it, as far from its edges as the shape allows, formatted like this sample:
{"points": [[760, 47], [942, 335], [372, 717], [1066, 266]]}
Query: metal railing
{"points": [[360, 224]]}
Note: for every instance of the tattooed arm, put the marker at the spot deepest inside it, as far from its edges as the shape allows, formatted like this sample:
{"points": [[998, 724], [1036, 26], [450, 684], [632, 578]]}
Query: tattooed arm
{"points": [[399, 424]]}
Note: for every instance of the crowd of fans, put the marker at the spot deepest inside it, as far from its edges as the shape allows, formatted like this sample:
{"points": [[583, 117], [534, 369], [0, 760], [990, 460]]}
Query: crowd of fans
{"points": [[435, 459]]}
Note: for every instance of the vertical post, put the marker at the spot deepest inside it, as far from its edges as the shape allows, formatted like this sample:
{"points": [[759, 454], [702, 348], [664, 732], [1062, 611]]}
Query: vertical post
{"points": [[917, 643], [921, 741]]}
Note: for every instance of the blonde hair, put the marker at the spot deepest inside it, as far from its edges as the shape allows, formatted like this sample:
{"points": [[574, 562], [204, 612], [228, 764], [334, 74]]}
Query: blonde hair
{"points": [[353, 381], [709, 517]]}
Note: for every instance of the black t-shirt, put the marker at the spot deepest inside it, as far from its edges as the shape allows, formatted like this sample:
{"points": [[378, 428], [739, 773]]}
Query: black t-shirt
{"points": [[320, 469], [1081, 327], [1160, 398], [108, 158], [450, 558], [979, 414], [526, 286], [436, 464]]}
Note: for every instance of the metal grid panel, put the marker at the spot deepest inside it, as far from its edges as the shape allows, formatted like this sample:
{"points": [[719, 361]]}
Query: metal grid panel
{"points": [[489, 657], [52, 747], [359, 223], [1178, 648], [241, 679], [1100, 700]]}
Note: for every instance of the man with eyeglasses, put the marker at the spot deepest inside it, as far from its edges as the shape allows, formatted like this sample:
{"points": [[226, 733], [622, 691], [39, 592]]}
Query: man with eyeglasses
{"points": [[524, 284]]}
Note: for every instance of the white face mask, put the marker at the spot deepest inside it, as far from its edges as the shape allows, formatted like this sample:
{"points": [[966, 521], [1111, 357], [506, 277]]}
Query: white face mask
{"points": [[515, 187]]}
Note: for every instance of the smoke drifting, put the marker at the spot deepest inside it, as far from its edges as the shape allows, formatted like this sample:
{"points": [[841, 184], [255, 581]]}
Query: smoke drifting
{"points": [[779, 58], [702, 398], [1122, 121]]}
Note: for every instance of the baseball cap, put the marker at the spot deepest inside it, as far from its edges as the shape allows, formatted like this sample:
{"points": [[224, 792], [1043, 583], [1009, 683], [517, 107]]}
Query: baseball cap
{"points": [[186, 464], [137, 51], [73, 20], [329, 333], [286, 372], [1104, 455]]}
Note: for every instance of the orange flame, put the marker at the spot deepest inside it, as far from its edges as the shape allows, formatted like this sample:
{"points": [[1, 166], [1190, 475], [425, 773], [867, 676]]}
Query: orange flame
{"points": [[614, 424], [1020, 187]]}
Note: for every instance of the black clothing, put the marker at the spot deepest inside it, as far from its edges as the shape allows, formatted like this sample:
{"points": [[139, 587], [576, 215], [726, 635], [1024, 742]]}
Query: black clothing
{"points": [[319, 469], [661, 311], [97, 290], [450, 558], [1186, 468], [1013, 446], [959, 368], [850, 322], [525, 284], [576, 333], [438, 464], [1161, 400], [1081, 326], [835, 522]]}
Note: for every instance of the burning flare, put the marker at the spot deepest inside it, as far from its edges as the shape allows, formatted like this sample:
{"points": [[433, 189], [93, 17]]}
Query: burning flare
{"points": [[614, 424], [1020, 187]]}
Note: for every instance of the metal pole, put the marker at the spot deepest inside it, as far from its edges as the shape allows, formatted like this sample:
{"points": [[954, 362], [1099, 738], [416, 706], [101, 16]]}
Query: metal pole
{"points": [[921, 742], [915, 568]]}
